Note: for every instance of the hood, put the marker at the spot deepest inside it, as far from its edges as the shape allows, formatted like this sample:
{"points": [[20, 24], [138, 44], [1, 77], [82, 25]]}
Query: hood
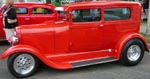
{"points": [[44, 27], [47, 24]]}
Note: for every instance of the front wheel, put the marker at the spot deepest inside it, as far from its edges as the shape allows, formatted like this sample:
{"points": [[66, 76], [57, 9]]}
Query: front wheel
{"points": [[22, 65], [132, 52]]}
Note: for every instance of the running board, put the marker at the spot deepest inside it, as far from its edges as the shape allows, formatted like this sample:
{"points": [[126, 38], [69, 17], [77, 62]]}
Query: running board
{"points": [[92, 62]]}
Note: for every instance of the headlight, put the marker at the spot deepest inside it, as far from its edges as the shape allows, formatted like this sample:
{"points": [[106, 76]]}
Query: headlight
{"points": [[13, 40]]}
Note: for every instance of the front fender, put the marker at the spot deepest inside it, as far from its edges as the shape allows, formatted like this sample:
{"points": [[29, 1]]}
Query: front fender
{"points": [[124, 39], [20, 49], [31, 50]]}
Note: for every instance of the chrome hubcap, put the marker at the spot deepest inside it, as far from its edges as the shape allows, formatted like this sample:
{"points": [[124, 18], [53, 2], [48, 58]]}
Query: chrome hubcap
{"points": [[134, 53], [24, 64]]}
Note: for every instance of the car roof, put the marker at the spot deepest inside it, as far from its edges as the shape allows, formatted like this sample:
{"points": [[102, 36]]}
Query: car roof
{"points": [[101, 3], [32, 3], [28, 4]]}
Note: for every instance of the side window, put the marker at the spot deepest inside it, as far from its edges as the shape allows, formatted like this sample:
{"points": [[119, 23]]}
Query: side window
{"points": [[86, 15], [116, 14], [21, 10], [41, 11]]}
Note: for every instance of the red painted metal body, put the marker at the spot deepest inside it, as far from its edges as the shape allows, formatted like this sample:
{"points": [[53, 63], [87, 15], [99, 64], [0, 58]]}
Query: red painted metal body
{"points": [[61, 43], [30, 18]]}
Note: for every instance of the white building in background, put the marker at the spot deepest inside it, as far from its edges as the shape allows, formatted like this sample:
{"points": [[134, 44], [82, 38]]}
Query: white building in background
{"points": [[1, 2]]}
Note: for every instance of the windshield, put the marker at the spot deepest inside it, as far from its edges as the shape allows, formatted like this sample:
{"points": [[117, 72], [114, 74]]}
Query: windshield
{"points": [[63, 16]]}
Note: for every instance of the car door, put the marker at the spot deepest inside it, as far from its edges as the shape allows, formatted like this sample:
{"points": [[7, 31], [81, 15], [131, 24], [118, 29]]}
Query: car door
{"points": [[117, 22], [86, 32], [41, 14], [2, 33]]}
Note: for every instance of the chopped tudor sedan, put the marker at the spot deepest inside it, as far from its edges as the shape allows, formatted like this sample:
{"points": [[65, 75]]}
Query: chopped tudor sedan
{"points": [[30, 13], [91, 33]]}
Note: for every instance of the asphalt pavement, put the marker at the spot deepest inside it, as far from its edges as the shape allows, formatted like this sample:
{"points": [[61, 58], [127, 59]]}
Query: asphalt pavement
{"points": [[112, 70]]}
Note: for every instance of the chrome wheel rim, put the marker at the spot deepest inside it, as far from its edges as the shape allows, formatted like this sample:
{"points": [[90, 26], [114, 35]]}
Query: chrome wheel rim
{"points": [[24, 64], [134, 53]]}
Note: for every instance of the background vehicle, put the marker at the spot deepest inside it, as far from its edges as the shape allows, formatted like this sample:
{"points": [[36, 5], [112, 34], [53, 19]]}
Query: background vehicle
{"points": [[31, 13], [92, 33]]}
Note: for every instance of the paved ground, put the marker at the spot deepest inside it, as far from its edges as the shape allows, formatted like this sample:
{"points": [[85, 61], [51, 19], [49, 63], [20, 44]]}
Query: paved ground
{"points": [[112, 70]]}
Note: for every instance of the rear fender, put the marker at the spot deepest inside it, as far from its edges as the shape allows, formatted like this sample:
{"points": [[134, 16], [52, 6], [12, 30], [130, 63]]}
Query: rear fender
{"points": [[124, 39]]}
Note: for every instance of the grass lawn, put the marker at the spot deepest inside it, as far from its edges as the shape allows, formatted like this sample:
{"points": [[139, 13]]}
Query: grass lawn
{"points": [[147, 37], [144, 21]]}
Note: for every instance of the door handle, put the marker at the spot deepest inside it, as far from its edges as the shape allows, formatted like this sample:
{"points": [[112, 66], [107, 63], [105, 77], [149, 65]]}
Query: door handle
{"points": [[101, 25]]}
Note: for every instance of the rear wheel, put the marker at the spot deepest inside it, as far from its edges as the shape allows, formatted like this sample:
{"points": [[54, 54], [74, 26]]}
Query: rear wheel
{"points": [[132, 52], [22, 65]]}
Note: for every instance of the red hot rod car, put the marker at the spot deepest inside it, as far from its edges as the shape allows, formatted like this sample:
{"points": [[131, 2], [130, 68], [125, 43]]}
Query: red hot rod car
{"points": [[30, 13], [92, 33]]}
